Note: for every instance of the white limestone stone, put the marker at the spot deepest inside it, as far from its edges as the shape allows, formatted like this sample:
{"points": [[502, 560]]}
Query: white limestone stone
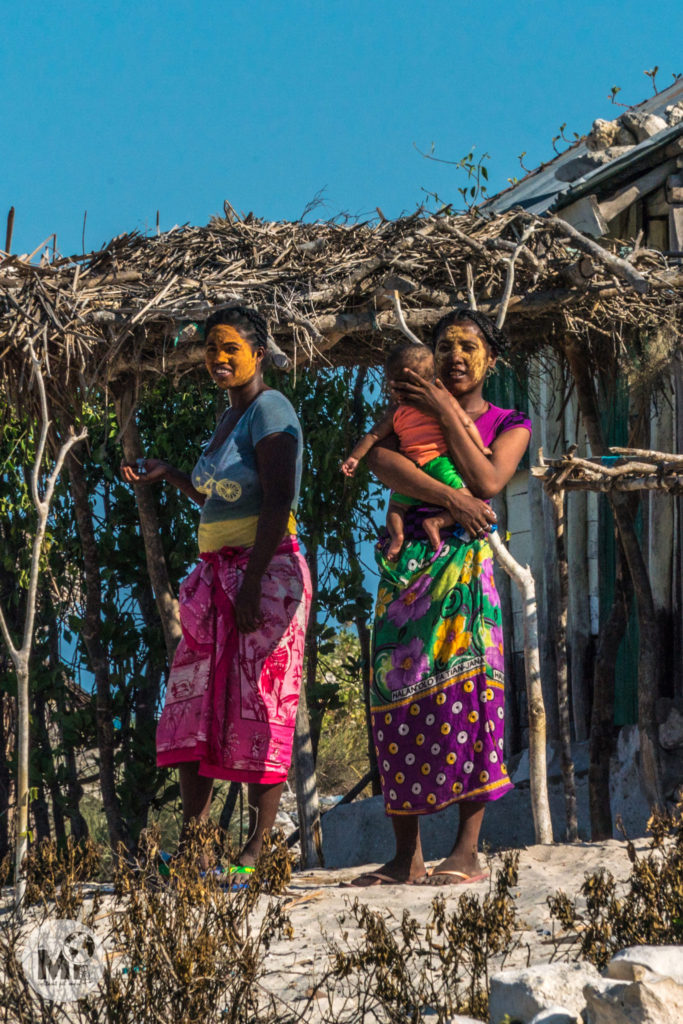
{"points": [[671, 731], [674, 113], [652, 1001], [637, 962], [641, 124], [556, 1015], [603, 134], [522, 994]]}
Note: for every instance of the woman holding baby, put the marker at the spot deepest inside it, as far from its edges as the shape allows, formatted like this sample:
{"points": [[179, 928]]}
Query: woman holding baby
{"points": [[437, 688]]}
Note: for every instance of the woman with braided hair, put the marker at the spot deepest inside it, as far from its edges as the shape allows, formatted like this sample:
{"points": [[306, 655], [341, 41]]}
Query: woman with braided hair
{"points": [[436, 697], [233, 690]]}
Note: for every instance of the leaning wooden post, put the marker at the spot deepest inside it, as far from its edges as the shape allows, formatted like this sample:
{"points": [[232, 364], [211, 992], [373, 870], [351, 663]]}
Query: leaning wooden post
{"points": [[524, 581], [21, 655], [538, 781], [557, 499], [306, 788]]}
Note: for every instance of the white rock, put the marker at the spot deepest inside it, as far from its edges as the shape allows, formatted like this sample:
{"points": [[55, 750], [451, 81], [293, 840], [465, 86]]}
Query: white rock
{"points": [[459, 1019], [642, 125], [665, 961], [556, 1015], [655, 1001], [284, 821], [624, 137], [671, 731], [603, 134], [524, 993], [674, 113]]}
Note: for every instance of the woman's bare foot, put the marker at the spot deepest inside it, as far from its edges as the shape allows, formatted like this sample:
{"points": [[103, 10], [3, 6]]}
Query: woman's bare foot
{"points": [[432, 527], [394, 549], [394, 872]]}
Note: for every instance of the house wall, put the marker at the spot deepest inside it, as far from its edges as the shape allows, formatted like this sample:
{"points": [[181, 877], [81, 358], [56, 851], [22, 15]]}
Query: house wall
{"points": [[526, 513]]}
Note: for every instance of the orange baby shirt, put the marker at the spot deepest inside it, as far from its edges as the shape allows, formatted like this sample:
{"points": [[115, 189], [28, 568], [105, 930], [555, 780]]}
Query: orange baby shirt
{"points": [[420, 437]]}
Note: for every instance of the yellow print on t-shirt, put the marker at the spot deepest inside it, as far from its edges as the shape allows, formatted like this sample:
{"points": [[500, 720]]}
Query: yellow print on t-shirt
{"points": [[228, 490]]}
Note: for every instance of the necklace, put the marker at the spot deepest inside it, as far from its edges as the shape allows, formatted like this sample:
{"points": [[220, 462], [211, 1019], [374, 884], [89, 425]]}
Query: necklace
{"points": [[479, 412]]}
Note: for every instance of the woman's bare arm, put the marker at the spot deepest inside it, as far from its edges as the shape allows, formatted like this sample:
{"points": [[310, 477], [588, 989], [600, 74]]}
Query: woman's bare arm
{"points": [[486, 476], [156, 470], [394, 470], [276, 464]]}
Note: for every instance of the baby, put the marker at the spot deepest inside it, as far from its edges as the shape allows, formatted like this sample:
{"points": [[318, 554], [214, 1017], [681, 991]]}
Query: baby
{"points": [[420, 439]]}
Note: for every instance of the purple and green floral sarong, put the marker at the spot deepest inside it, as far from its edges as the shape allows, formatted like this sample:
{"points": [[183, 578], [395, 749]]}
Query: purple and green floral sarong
{"points": [[436, 697]]}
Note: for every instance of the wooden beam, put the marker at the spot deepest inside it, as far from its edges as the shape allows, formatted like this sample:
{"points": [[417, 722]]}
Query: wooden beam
{"points": [[609, 208], [676, 228], [585, 216], [674, 188], [621, 268]]}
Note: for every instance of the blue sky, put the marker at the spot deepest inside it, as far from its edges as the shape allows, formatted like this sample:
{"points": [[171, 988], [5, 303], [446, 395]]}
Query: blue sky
{"points": [[121, 109]]}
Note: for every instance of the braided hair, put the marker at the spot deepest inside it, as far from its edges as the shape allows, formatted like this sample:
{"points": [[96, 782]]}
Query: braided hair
{"points": [[496, 339], [248, 321]]}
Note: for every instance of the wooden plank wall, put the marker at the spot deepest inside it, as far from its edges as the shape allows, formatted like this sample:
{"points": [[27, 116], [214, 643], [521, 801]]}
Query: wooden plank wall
{"points": [[525, 512]]}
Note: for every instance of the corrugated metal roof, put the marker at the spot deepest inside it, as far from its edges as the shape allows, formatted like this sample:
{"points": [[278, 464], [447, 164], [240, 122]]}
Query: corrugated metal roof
{"points": [[542, 190]]}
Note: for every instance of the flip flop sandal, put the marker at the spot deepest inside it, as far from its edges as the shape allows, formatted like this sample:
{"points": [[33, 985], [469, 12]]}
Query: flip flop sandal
{"points": [[238, 877], [375, 878], [463, 878], [164, 864]]}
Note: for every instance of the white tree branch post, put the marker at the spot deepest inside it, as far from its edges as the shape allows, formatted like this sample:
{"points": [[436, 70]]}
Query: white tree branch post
{"points": [[538, 780], [524, 581], [402, 320], [21, 655]]}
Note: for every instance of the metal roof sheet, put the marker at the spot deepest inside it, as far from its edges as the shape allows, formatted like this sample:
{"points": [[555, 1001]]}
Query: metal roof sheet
{"points": [[542, 191]]}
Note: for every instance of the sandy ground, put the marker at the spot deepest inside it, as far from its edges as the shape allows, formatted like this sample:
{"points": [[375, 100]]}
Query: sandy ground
{"points": [[316, 902]]}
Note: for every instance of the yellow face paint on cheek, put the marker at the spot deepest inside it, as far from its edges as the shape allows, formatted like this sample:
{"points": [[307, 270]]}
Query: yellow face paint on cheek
{"points": [[474, 355], [230, 355]]}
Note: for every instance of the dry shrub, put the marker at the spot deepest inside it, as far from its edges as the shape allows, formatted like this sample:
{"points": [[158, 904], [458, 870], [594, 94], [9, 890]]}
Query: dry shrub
{"points": [[649, 911], [407, 972], [182, 949], [55, 873]]}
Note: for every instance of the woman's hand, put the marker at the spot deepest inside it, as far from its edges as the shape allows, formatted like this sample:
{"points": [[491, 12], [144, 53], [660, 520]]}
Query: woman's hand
{"points": [[475, 515], [428, 397], [145, 471], [248, 616]]}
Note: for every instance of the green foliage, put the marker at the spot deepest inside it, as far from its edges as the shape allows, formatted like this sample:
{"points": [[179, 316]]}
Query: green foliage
{"points": [[336, 513], [343, 750]]}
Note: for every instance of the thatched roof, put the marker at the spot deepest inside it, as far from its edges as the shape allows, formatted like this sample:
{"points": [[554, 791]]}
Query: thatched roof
{"points": [[124, 310]]}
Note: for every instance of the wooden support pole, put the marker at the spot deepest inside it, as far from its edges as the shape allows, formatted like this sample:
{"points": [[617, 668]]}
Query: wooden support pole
{"points": [[538, 781], [21, 655], [557, 499], [306, 788]]}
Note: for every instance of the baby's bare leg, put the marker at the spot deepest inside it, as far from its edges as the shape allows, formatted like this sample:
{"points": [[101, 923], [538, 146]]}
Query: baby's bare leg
{"points": [[433, 526], [396, 531]]}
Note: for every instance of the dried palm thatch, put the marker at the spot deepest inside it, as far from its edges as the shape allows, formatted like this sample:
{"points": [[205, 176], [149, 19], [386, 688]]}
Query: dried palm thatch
{"points": [[132, 308]]}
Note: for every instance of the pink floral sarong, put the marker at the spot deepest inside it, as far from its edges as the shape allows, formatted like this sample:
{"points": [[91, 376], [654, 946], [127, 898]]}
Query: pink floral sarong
{"points": [[231, 697]]}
